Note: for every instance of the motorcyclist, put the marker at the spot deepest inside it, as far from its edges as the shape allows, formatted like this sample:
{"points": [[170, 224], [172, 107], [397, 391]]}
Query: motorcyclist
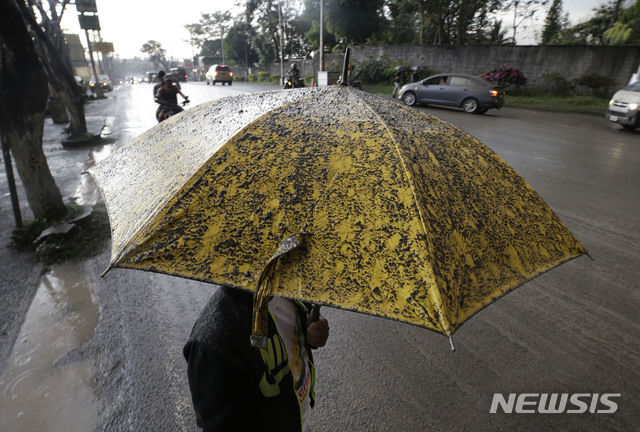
{"points": [[160, 79], [294, 75], [167, 97]]}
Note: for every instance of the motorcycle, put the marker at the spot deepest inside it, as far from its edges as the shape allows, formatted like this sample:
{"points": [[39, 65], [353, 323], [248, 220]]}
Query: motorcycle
{"points": [[169, 109], [289, 84]]}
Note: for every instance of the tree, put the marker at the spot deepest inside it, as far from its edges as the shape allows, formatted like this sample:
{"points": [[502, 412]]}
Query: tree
{"points": [[24, 91], [157, 54], [53, 53], [523, 11], [353, 21], [238, 44], [554, 24], [591, 32], [211, 51], [626, 30], [439, 22], [497, 35], [310, 16], [404, 17], [210, 27], [265, 16]]}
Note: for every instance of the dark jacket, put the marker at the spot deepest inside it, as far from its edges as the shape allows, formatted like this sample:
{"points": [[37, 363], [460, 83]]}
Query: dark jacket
{"points": [[228, 377]]}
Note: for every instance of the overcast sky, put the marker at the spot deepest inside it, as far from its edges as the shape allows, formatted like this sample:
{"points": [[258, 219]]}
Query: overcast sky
{"points": [[131, 23]]}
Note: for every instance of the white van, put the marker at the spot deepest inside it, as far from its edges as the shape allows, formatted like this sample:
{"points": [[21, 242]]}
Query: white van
{"points": [[219, 73], [624, 107]]}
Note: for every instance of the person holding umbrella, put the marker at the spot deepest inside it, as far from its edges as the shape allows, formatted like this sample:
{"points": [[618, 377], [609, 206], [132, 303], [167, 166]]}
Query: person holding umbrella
{"points": [[428, 234], [396, 85], [235, 386]]}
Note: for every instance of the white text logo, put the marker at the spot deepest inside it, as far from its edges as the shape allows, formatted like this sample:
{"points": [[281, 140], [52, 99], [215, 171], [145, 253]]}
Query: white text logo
{"points": [[555, 403]]}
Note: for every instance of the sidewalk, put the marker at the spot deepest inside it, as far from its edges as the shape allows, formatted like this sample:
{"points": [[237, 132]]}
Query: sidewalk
{"points": [[20, 275]]}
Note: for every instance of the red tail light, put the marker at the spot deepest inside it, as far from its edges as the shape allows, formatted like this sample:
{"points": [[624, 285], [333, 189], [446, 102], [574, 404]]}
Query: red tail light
{"points": [[494, 93]]}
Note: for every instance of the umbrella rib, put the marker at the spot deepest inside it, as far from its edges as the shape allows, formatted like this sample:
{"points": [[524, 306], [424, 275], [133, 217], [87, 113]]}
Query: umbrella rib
{"points": [[446, 326]]}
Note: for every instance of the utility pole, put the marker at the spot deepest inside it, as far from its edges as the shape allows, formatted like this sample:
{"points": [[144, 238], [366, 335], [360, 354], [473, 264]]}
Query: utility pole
{"points": [[281, 43], [88, 18], [321, 35]]}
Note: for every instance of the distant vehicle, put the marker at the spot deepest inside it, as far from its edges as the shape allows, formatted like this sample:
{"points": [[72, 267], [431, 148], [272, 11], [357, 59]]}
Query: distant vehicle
{"points": [[103, 82], [472, 94], [179, 73], [219, 73], [624, 107], [150, 76]]}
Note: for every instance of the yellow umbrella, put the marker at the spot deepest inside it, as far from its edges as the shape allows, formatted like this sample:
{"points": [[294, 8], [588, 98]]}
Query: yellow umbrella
{"points": [[333, 196]]}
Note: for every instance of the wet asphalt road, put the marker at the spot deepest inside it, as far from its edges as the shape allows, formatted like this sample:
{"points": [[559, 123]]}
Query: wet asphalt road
{"points": [[571, 330]]}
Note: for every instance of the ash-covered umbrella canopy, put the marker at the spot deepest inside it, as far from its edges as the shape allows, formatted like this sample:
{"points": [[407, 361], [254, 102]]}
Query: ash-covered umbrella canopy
{"points": [[403, 215]]}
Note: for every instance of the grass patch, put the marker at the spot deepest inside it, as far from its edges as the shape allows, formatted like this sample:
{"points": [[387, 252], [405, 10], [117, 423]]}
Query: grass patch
{"points": [[546, 102], [383, 89], [87, 238]]}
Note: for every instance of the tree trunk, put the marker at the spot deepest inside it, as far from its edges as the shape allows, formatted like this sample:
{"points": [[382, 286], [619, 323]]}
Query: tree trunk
{"points": [[56, 108], [74, 104], [24, 91], [24, 137]]}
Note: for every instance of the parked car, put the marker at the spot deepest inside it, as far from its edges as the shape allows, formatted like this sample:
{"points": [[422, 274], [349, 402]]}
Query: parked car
{"points": [[219, 73], [624, 107], [472, 94], [103, 81]]}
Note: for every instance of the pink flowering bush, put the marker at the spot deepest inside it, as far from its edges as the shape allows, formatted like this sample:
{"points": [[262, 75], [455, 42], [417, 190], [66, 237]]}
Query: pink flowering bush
{"points": [[505, 76]]}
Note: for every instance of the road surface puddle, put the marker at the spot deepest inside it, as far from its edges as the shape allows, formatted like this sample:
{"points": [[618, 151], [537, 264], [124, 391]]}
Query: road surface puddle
{"points": [[47, 385]]}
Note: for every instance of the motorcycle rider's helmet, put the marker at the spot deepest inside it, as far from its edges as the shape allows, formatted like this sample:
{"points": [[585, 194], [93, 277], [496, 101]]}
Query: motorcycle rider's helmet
{"points": [[294, 66]]}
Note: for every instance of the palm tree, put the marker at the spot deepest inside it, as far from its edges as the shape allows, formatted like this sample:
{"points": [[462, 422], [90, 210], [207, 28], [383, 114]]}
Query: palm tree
{"points": [[497, 35]]}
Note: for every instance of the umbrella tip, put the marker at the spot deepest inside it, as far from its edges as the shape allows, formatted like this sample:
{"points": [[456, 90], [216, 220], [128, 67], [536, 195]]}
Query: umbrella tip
{"points": [[104, 273], [344, 78], [453, 349]]}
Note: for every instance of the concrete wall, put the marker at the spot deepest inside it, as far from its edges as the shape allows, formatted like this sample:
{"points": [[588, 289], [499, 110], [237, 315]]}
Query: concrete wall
{"points": [[619, 63]]}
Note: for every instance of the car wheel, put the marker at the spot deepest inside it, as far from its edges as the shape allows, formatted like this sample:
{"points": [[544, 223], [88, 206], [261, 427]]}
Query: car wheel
{"points": [[629, 127], [470, 105], [230, 82], [409, 98]]}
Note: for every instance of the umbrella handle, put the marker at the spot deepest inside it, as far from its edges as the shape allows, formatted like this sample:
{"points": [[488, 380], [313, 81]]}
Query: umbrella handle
{"points": [[315, 313]]}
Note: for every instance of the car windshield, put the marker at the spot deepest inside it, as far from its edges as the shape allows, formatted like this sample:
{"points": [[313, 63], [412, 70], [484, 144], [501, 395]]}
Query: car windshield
{"points": [[634, 86]]}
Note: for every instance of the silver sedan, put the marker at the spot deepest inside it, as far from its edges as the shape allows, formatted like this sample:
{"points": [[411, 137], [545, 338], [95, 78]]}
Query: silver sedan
{"points": [[472, 94]]}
